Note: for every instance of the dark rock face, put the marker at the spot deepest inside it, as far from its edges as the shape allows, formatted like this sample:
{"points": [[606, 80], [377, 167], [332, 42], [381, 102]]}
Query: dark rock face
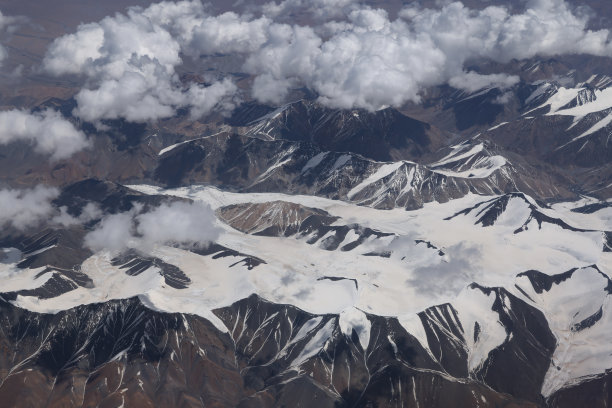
{"points": [[123, 353], [249, 164], [115, 353], [607, 241], [60, 252], [276, 355], [58, 284], [284, 219], [393, 370], [528, 349], [60, 248], [477, 110], [487, 213], [275, 219], [247, 113], [219, 251], [596, 393], [383, 135], [272, 355], [110, 197], [135, 264], [592, 208]]}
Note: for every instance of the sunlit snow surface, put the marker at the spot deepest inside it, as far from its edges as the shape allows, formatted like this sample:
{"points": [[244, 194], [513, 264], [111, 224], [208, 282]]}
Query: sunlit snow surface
{"points": [[472, 164], [415, 276], [601, 104]]}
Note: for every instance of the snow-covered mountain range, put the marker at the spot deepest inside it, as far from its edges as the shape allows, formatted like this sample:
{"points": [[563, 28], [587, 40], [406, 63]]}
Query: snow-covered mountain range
{"points": [[302, 295], [280, 207]]}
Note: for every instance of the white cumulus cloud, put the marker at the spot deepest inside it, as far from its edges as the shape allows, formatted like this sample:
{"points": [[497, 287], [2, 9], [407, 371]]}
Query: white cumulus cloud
{"points": [[363, 59], [47, 131], [173, 223], [114, 233], [177, 222], [472, 82], [371, 61], [91, 211], [129, 64], [26, 208]]}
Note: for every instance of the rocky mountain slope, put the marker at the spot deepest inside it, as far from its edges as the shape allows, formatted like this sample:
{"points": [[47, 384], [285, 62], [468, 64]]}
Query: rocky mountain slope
{"points": [[451, 253], [311, 301]]}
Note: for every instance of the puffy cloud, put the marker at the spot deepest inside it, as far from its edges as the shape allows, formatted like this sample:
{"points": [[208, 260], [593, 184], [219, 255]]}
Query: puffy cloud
{"points": [[227, 33], [26, 208], [320, 9], [174, 223], [3, 54], [73, 53], [288, 58], [472, 82], [90, 212], [177, 222], [47, 131], [129, 64], [366, 60], [503, 98], [22, 209], [149, 95], [545, 27], [370, 61], [114, 233]]}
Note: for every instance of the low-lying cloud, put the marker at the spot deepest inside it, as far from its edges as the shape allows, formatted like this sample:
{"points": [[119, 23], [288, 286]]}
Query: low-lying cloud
{"points": [[174, 223], [90, 212], [365, 60], [129, 63], [452, 274], [22, 209], [47, 131], [8, 24]]}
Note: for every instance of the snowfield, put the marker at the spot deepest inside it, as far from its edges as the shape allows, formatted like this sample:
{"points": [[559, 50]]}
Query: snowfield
{"points": [[434, 254]]}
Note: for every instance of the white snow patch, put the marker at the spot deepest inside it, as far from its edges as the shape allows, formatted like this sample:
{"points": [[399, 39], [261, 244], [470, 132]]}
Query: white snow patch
{"points": [[314, 162], [475, 307], [413, 325], [354, 319], [578, 353], [459, 153], [341, 161], [498, 126], [541, 90], [562, 97], [597, 127], [315, 344], [603, 102], [380, 173], [482, 168], [174, 146]]}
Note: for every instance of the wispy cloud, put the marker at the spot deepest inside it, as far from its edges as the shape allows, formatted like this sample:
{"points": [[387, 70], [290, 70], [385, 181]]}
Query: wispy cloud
{"points": [[452, 274], [176, 223], [8, 24], [22, 209]]}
